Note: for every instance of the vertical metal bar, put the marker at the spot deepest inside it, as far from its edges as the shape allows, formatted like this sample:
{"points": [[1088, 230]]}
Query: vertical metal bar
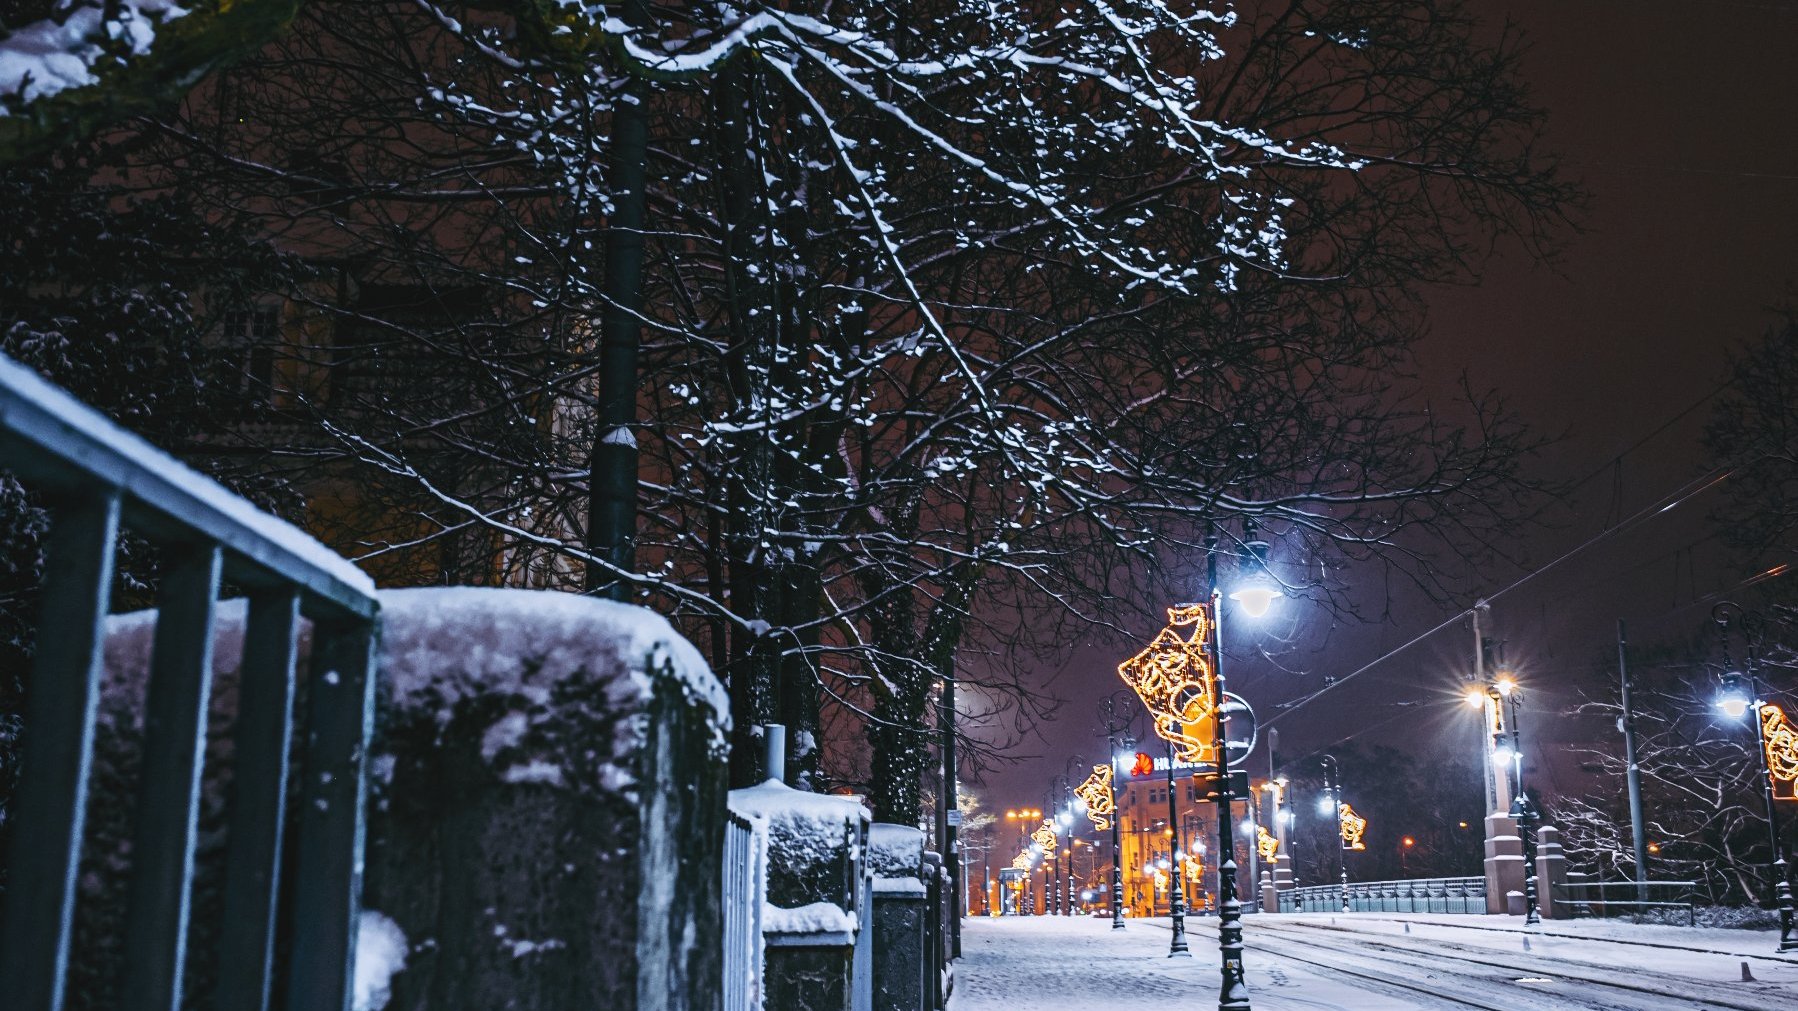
{"points": [[333, 792], [51, 804], [168, 807], [253, 859]]}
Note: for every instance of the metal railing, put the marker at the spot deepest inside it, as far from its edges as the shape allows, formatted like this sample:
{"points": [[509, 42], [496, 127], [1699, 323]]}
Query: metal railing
{"points": [[745, 889], [1414, 895], [96, 479], [1619, 898]]}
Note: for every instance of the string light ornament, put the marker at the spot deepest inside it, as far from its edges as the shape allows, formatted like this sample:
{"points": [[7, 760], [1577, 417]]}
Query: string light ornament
{"points": [[1173, 678], [1101, 805], [1266, 844], [1021, 862], [1044, 836], [1194, 866], [1353, 828], [1781, 735]]}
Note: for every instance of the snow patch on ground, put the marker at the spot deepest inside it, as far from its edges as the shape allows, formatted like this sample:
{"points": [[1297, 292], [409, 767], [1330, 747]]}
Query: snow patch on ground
{"points": [[381, 950]]}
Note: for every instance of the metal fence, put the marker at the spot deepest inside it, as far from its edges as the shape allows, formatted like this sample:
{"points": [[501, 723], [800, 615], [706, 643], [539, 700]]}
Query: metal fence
{"points": [[1621, 898], [1417, 895], [745, 888], [96, 479]]}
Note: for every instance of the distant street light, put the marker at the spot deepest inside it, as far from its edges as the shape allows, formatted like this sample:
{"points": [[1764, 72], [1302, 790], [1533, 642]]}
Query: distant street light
{"points": [[1737, 695], [1332, 805]]}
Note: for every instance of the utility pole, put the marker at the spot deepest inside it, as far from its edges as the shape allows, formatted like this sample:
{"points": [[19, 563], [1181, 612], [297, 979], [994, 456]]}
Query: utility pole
{"points": [[1627, 724]]}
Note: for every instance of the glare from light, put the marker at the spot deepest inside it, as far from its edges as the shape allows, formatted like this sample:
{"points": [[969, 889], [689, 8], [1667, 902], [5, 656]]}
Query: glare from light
{"points": [[1326, 806], [1502, 753], [1065, 818], [1506, 686], [1248, 828], [1256, 600], [1734, 706], [1475, 697]]}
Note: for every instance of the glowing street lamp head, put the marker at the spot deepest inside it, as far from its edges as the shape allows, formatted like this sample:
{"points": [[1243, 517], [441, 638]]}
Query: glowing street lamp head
{"points": [[1259, 591], [1325, 805], [1065, 819], [1505, 684], [1256, 599], [1475, 697], [1733, 696]]}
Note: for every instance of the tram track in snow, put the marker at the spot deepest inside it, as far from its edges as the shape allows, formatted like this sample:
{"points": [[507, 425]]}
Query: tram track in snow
{"points": [[1410, 954]]}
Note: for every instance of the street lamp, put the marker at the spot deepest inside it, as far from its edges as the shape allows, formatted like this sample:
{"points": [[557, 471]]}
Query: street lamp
{"points": [[1504, 689], [1117, 711], [1737, 696], [1256, 594], [1332, 804]]}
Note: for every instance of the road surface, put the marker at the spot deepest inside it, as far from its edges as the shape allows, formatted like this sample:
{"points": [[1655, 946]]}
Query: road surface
{"points": [[1371, 962]]}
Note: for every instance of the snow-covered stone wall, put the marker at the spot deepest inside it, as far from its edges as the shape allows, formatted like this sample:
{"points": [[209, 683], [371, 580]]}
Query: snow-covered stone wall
{"points": [[547, 792]]}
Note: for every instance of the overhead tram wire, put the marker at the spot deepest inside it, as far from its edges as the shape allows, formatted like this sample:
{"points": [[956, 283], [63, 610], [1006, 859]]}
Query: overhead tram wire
{"points": [[1665, 504]]}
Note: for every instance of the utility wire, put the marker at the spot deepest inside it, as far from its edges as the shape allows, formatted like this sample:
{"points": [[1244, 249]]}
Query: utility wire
{"points": [[1667, 503]]}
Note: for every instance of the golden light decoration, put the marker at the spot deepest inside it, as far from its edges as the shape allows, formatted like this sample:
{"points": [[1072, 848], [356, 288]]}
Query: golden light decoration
{"points": [[1173, 677], [1044, 836], [1021, 862], [1101, 805], [1194, 866], [1781, 736], [1160, 880], [1353, 827], [1266, 843]]}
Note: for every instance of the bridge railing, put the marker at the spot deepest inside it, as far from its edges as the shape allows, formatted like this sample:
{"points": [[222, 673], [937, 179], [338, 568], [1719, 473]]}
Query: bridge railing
{"points": [[1413, 895], [95, 480], [1619, 898]]}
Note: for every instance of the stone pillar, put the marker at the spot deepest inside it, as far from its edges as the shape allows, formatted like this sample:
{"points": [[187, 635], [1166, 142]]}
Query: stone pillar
{"points": [[1283, 870], [1504, 862], [901, 961], [1551, 873], [817, 924], [1270, 895]]}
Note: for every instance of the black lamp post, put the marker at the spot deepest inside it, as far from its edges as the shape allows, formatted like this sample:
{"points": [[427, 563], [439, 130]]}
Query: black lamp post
{"points": [[1504, 689], [1333, 807], [1254, 598], [1117, 711], [1176, 902], [1740, 695]]}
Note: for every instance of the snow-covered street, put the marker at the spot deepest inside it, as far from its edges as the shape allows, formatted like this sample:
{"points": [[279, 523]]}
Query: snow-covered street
{"points": [[1370, 962]]}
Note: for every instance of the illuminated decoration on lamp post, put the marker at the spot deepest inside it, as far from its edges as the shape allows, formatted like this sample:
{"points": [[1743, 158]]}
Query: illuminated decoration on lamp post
{"points": [[1266, 843], [1022, 862], [1353, 827], [1173, 678], [1781, 737], [1044, 836], [1101, 805]]}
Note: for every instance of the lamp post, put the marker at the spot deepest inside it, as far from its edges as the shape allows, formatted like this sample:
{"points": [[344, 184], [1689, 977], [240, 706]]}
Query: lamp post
{"points": [[1117, 711], [1255, 596], [1333, 806], [1505, 689], [1176, 903], [1739, 694]]}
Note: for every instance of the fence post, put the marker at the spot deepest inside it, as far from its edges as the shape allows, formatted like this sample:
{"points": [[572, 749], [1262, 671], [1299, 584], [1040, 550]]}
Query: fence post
{"points": [[51, 805]]}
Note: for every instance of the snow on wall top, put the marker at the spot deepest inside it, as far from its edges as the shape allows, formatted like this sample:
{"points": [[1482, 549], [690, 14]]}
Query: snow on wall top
{"points": [[92, 424], [895, 850], [439, 646], [43, 58]]}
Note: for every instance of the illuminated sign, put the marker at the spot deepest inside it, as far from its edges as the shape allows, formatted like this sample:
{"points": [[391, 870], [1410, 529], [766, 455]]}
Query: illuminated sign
{"points": [[1266, 844], [1353, 828], [1173, 678], [1781, 736], [1096, 792]]}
